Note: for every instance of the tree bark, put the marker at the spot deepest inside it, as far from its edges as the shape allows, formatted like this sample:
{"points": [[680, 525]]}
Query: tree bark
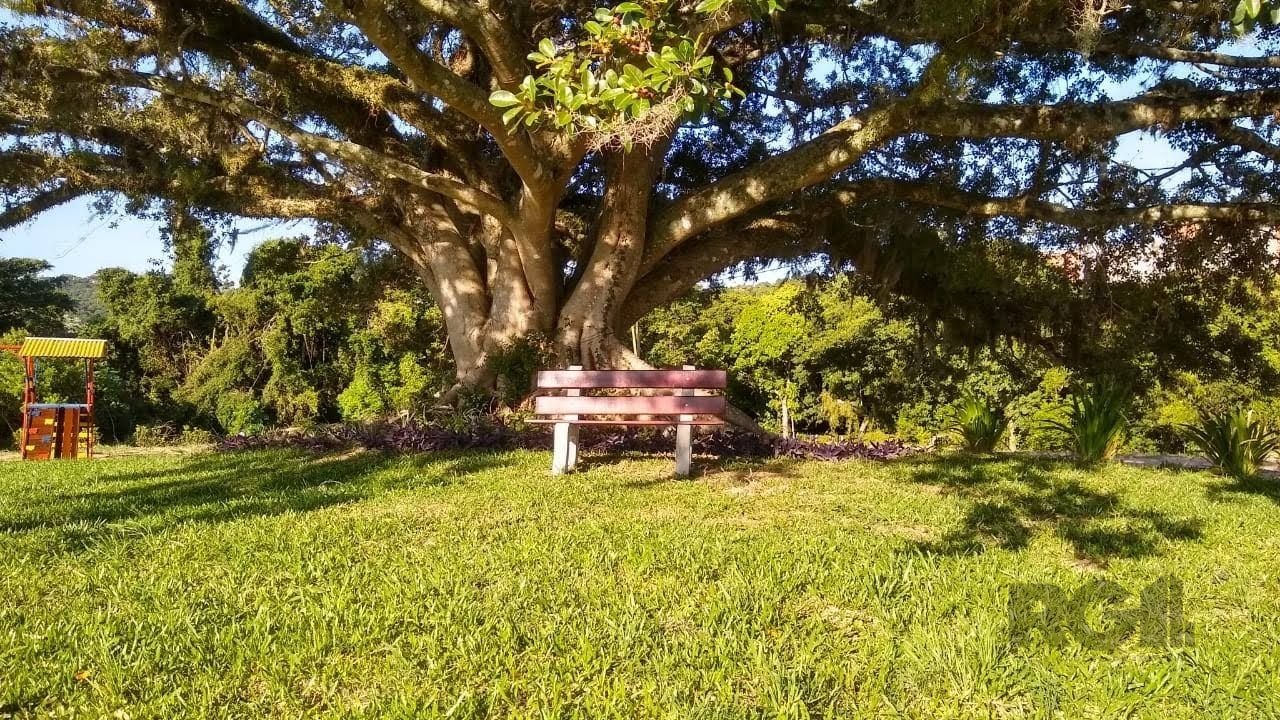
{"points": [[587, 328]]}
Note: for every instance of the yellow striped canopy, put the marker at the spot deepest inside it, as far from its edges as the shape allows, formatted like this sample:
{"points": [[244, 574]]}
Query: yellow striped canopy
{"points": [[63, 348]]}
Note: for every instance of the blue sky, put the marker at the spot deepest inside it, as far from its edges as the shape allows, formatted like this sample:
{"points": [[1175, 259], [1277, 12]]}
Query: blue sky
{"points": [[78, 241]]}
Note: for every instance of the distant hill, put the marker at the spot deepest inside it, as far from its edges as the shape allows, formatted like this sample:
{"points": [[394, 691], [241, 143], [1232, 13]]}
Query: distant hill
{"points": [[84, 293]]}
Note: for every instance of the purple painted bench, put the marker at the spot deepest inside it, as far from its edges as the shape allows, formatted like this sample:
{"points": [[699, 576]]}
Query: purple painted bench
{"points": [[688, 401]]}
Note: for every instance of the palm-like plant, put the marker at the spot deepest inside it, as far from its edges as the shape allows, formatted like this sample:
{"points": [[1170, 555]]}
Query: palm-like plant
{"points": [[978, 425], [1095, 423], [1234, 442]]}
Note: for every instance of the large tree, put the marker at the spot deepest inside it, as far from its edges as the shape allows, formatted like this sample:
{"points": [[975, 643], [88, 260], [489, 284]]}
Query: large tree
{"points": [[555, 169]]}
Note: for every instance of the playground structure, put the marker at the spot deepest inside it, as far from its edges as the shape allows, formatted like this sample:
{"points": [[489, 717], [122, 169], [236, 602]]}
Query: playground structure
{"points": [[56, 430]]}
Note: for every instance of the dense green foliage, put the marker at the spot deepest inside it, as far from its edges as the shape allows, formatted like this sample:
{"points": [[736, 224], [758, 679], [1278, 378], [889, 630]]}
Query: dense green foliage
{"points": [[853, 359], [288, 585], [317, 331], [312, 333], [1234, 441], [28, 300]]}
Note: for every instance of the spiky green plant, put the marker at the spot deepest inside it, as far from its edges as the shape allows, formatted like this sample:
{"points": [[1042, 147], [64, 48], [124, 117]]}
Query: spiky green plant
{"points": [[1234, 441], [978, 425], [1095, 423]]}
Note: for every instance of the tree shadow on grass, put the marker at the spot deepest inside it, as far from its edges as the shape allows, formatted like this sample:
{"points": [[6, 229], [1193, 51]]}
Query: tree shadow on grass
{"points": [[746, 472], [738, 473], [595, 459], [1226, 490], [24, 705], [1011, 499], [222, 487]]}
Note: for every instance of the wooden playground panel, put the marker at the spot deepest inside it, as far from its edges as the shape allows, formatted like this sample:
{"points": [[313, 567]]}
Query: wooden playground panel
{"points": [[57, 431]]}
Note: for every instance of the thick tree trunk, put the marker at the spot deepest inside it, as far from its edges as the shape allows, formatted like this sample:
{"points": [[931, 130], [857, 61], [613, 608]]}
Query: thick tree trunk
{"points": [[497, 285], [487, 309], [586, 330]]}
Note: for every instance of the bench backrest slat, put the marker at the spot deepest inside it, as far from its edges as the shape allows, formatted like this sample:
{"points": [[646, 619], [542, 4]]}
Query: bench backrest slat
{"points": [[591, 379], [630, 405]]}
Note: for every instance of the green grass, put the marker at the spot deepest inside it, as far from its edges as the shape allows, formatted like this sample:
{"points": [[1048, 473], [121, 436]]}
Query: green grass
{"points": [[283, 585]]}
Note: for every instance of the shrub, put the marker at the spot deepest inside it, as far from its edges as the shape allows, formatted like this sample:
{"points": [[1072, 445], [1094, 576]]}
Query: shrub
{"points": [[416, 437], [1029, 414], [361, 400], [515, 364], [240, 413], [1233, 441], [154, 435], [1095, 423], [196, 436], [978, 425]]}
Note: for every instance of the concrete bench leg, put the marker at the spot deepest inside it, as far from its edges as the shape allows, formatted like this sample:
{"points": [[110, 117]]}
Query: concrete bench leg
{"points": [[560, 449], [684, 450], [572, 463], [684, 438], [564, 451], [564, 455]]}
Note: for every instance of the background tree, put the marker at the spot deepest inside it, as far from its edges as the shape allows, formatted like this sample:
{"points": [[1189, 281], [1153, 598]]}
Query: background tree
{"points": [[30, 302], [315, 332], [318, 333], [559, 170], [860, 363], [312, 333]]}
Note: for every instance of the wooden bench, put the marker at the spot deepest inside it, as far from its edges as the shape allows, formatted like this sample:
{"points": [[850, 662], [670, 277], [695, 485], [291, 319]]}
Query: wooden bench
{"points": [[684, 407]]}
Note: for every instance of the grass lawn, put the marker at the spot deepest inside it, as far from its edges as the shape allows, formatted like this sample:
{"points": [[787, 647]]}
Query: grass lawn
{"points": [[277, 584]]}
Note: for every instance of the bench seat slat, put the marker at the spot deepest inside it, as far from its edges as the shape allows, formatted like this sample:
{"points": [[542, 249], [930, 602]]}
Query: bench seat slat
{"points": [[599, 421], [592, 379], [630, 405]]}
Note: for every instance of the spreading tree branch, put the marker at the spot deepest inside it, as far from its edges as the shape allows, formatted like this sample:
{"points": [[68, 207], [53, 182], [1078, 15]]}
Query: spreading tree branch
{"points": [[782, 236], [817, 160], [468, 197], [20, 213], [503, 48], [1028, 207], [430, 77], [771, 179], [1180, 55], [1248, 140], [1074, 122]]}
